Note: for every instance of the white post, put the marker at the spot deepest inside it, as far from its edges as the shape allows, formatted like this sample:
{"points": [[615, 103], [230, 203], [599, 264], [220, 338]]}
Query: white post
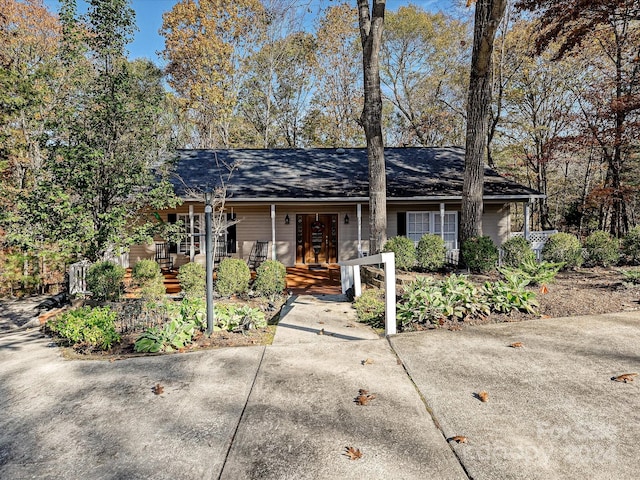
{"points": [[273, 232], [389, 262], [527, 214], [192, 246]]}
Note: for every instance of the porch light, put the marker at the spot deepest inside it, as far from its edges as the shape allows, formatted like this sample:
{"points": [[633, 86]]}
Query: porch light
{"points": [[286, 220], [346, 219]]}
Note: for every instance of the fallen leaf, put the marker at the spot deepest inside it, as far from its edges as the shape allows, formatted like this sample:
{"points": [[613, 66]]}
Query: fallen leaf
{"points": [[321, 332], [458, 439], [364, 397], [483, 396], [353, 453], [367, 361], [362, 391], [398, 361], [625, 377], [158, 389], [543, 289], [516, 345]]}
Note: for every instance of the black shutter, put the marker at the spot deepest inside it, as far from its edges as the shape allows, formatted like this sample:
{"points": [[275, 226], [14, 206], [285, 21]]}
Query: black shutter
{"points": [[402, 224], [172, 218], [231, 234]]}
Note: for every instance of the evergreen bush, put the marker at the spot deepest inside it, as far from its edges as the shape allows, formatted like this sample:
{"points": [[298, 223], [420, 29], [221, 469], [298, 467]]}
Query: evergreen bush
{"points": [[563, 248], [479, 254], [516, 251], [370, 307], [271, 278], [631, 246], [405, 252], [431, 253], [233, 277], [602, 249], [104, 281], [193, 281], [147, 275]]}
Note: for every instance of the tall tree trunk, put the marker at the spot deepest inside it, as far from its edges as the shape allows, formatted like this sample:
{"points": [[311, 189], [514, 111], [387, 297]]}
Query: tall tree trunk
{"points": [[488, 15], [371, 25]]}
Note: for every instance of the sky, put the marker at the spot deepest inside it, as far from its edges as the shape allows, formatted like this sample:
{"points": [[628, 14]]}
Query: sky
{"points": [[148, 42]]}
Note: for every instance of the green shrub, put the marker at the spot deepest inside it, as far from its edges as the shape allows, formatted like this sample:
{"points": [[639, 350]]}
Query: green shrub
{"points": [[516, 251], [104, 280], [631, 246], [147, 275], [192, 278], [236, 318], [405, 252], [479, 254], [233, 277], [271, 278], [94, 327], [563, 248], [370, 307], [602, 249], [431, 253]]}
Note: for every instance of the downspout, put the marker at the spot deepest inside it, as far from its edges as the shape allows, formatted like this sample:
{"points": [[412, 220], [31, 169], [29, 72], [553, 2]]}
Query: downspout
{"points": [[442, 221]]}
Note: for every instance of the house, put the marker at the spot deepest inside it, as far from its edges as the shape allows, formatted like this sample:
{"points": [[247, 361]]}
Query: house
{"points": [[311, 205]]}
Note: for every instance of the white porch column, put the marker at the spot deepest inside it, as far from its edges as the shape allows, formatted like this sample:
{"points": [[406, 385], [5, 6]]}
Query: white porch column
{"points": [[359, 215], [527, 215], [442, 221], [273, 232], [192, 246]]}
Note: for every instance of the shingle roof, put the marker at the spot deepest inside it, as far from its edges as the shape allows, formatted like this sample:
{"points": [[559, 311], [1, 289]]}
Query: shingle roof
{"points": [[330, 173]]}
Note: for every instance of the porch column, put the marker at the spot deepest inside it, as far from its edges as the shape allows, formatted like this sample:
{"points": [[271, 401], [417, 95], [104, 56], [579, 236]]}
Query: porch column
{"points": [[273, 232], [442, 221], [527, 215], [192, 245], [359, 215]]}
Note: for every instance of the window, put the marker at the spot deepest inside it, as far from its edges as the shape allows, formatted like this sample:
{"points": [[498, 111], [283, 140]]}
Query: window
{"points": [[185, 244], [419, 223]]}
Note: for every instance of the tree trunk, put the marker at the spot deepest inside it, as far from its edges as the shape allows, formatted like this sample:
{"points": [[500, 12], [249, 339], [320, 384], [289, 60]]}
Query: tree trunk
{"points": [[371, 26], [487, 18]]}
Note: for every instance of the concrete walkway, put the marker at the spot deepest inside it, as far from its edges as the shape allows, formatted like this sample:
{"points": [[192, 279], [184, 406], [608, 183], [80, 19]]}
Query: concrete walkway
{"points": [[287, 411]]}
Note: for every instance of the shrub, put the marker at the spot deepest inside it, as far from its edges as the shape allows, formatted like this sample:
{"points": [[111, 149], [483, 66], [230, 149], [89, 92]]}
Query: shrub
{"points": [[94, 327], [431, 253], [507, 296], [271, 278], [147, 275], [104, 280], [631, 245], [516, 251], [479, 254], [602, 249], [370, 307], [192, 278], [405, 252], [233, 277], [563, 248]]}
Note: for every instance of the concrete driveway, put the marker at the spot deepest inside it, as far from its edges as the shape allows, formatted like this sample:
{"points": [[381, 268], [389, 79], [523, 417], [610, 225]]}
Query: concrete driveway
{"points": [[287, 410], [553, 411]]}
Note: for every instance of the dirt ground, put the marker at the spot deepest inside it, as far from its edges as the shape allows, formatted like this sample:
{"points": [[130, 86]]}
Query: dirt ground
{"points": [[585, 291]]}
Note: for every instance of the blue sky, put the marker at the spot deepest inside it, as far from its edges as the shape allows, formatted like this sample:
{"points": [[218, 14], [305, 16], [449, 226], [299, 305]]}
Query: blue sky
{"points": [[148, 42]]}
